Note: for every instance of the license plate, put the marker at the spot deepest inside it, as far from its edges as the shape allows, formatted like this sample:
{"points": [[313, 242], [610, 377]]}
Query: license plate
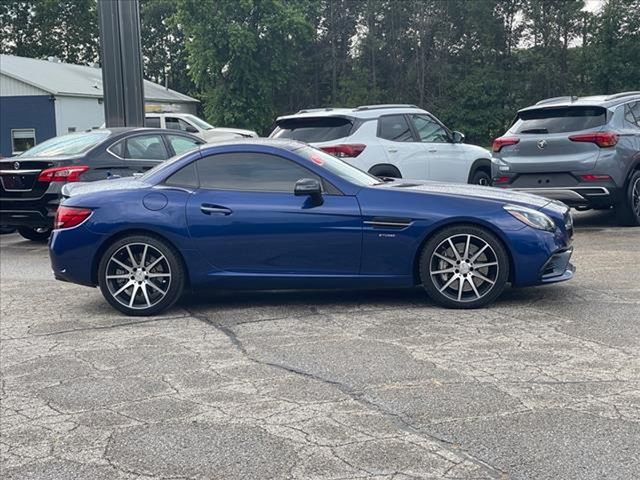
{"points": [[16, 182]]}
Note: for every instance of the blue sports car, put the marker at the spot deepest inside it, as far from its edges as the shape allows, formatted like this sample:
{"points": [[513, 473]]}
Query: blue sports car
{"points": [[269, 214]]}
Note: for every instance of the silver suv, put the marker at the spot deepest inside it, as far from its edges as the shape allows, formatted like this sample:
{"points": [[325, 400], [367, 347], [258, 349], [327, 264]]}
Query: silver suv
{"points": [[399, 141], [583, 151]]}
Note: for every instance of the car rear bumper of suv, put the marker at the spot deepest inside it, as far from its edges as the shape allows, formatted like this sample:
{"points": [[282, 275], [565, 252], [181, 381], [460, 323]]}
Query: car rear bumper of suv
{"points": [[565, 188]]}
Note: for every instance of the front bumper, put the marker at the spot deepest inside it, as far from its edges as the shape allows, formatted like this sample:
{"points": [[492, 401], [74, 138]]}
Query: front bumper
{"points": [[558, 268]]}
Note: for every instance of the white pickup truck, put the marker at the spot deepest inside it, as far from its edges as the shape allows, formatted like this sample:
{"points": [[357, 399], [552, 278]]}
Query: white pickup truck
{"points": [[192, 124]]}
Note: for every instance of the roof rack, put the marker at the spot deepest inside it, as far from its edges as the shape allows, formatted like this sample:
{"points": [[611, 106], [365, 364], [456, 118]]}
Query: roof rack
{"points": [[323, 109], [378, 107], [568, 98], [622, 94]]}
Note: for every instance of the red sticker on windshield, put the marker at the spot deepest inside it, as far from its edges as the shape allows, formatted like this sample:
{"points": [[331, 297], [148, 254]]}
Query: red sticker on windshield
{"points": [[316, 159]]}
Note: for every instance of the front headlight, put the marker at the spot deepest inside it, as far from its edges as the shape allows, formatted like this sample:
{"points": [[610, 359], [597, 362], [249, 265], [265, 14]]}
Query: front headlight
{"points": [[531, 217]]}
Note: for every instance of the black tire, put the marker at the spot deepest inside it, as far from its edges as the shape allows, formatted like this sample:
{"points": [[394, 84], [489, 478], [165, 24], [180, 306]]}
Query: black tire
{"points": [[482, 292], [388, 171], [35, 234], [169, 275], [481, 177], [628, 210]]}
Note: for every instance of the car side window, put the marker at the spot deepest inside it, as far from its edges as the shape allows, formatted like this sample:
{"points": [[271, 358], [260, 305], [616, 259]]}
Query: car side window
{"points": [[185, 177], [429, 131], [249, 171], [394, 128], [152, 122], [174, 123], [632, 114], [182, 144], [145, 147]]}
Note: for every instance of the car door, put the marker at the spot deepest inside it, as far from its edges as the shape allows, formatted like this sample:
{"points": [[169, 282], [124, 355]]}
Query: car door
{"points": [[244, 219], [447, 161], [403, 149]]}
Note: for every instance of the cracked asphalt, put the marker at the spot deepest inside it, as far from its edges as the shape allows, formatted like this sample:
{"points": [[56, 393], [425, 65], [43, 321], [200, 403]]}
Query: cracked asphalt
{"points": [[326, 385]]}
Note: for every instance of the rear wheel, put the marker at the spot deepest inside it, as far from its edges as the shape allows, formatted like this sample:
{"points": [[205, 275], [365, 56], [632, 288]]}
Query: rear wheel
{"points": [[141, 275], [35, 234], [481, 177], [464, 267], [628, 211], [388, 171]]}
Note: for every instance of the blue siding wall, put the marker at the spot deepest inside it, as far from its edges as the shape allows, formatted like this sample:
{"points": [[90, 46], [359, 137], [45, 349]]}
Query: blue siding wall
{"points": [[36, 112]]}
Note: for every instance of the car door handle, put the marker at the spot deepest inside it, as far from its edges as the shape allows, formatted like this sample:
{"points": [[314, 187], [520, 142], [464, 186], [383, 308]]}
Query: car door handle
{"points": [[392, 150], [432, 150], [209, 209]]}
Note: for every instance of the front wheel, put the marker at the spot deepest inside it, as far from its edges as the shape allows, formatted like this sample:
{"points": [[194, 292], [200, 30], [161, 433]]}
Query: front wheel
{"points": [[141, 275], [628, 211], [35, 234], [464, 267]]}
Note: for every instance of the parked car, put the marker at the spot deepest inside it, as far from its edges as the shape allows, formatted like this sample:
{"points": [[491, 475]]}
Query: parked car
{"points": [[190, 123], [267, 214], [30, 183], [396, 141], [583, 151]]}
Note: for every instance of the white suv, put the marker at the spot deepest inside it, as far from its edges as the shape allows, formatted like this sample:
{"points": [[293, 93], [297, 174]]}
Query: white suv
{"points": [[192, 124], [401, 141]]}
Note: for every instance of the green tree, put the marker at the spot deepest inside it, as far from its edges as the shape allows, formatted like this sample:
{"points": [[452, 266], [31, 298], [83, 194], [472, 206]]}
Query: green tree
{"points": [[243, 54]]}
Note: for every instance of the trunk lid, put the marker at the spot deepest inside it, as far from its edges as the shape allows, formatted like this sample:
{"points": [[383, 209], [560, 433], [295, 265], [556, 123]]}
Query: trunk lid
{"points": [[19, 176], [544, 144]]}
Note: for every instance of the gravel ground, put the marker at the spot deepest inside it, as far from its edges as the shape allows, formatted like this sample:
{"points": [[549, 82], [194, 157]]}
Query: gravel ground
{"points": [[306, 385]]}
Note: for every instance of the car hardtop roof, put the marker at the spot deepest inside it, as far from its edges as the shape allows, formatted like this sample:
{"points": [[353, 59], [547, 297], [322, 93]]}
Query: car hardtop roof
{"points": [[363, 111], [605, 101], [285, 144]]}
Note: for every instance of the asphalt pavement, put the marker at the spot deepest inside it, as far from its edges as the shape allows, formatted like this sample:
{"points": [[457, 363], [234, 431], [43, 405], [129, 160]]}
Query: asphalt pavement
{"points": [[326, 385]]}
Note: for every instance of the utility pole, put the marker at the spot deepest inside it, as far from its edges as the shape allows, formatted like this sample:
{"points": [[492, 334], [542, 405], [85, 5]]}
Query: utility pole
{"points": [[121, 58]]}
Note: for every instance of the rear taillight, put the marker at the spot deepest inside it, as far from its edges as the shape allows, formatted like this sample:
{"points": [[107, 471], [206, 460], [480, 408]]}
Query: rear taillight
{"points": [[67, 217], [62, 174], [602, 139], [590, 177], [500, 142], [345, 150]]}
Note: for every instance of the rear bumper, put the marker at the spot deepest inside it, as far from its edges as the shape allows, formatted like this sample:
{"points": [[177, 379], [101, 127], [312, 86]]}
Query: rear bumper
{"points": [[32, 213], [591, 196]]}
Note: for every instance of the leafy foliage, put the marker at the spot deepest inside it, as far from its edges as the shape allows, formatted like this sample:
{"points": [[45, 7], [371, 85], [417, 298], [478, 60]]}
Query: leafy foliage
{"points": [[472, 63]]}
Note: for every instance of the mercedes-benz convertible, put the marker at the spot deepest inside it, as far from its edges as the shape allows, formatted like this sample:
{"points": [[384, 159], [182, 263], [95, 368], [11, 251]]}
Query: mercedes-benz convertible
{"points": [[269, 214]]}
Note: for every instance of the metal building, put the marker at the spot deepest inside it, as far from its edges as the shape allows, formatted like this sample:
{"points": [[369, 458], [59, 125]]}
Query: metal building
{"points": [[40, 99]]}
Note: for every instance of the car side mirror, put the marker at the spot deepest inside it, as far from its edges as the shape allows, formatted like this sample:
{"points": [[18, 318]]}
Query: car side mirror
{"points": [[309, 187], [458, 137], [191, 129]]}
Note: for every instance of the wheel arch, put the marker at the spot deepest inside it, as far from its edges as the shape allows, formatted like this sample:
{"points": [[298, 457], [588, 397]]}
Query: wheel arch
{"points": [[479, 164], [457, 222], [388, 166], [130, 232]]}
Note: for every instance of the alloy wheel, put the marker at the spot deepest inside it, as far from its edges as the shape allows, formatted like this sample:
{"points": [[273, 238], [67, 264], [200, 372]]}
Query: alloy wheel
{"points": [[138, 275], [464, 267]]}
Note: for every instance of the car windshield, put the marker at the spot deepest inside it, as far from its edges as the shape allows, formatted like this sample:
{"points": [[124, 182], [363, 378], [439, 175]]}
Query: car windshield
{"points": [[71, 144], [199, 122], [338, 167]]}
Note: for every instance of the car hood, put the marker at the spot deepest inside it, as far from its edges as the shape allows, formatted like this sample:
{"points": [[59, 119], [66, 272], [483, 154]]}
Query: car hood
{"points": [[472, 191], [80, 188]]}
